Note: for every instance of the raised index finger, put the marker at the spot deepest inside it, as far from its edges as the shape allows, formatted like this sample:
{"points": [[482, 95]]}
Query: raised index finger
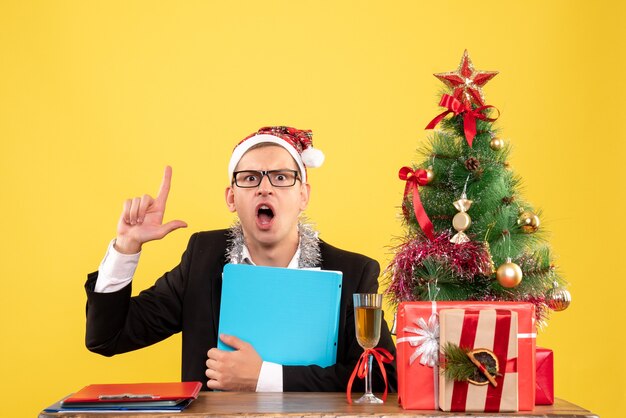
{"points": [[165, 185]]}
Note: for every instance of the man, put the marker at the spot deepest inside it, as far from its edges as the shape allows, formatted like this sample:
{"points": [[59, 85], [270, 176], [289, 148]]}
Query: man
{"points": [[268, 191]]}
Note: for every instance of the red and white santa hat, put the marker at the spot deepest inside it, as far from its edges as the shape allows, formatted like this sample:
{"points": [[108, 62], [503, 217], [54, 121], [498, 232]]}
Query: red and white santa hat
{"points": [[297, 142]]}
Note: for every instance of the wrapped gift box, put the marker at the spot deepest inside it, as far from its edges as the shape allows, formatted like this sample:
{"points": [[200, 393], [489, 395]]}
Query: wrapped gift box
{"points": [[418, 382], [493, 330], [545, 377]]}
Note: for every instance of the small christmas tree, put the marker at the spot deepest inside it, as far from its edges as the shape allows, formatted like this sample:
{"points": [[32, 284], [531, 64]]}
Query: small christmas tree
{"points": [[469, 233]]}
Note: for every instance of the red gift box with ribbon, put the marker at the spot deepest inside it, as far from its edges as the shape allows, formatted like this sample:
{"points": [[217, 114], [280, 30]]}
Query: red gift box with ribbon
{"points": [[488, 334], [545, 377], [417, 353]]}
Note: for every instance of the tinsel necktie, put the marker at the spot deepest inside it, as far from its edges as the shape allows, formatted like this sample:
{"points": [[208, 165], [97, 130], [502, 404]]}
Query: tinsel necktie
{"points": [[415, 178], [469, 115], [382, 356]]}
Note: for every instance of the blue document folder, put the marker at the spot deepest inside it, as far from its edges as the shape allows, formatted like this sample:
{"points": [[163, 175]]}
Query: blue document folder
{"points": [[291, 317]]}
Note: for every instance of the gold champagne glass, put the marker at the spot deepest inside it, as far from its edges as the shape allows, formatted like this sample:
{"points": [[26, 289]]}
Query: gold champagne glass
{"points": [[367, 317]]}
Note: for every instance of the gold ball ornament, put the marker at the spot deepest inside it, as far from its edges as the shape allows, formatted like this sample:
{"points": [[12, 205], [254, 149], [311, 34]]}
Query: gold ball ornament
{"points": [[528, 222], [496, 144], [509, 274], [558, 299], [430, 174]]}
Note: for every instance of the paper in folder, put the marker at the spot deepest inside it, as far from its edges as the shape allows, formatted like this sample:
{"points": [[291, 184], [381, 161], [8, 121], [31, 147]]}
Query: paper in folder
{"points": [[291, 317]]}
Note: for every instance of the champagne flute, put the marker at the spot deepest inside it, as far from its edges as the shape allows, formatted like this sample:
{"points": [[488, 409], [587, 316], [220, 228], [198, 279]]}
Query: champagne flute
{"points": [[367, 318]]}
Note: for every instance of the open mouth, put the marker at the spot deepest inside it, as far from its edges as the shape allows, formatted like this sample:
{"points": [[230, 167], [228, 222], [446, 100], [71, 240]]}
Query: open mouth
{"points": [[264, 214]]}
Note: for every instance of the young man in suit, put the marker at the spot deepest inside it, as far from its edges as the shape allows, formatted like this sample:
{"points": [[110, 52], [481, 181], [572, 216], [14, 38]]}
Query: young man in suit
{"points": [[268, 191]]}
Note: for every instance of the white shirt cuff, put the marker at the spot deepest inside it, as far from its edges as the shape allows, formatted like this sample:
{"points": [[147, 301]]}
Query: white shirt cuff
{"points": [[270, 378], [116, 270]]}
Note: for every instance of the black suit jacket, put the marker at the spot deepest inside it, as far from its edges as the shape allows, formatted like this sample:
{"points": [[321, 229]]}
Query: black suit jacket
{"points": [[187, 299]]}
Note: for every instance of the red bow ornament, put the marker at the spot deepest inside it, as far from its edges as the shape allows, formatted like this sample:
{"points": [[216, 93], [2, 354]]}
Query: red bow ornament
{"points": [[415, 178], [469, 115]]}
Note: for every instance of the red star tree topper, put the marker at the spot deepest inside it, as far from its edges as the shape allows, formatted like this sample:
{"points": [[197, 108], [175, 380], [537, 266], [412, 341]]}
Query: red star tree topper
{"points": [[467, 82]]}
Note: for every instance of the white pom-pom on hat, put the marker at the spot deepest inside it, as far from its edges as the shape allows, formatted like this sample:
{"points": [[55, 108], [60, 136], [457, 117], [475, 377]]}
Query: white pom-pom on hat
{"points": [[312, 157]]}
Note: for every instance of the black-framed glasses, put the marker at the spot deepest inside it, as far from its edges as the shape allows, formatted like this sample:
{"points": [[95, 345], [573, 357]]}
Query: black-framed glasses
{"points": [[277, 178]]}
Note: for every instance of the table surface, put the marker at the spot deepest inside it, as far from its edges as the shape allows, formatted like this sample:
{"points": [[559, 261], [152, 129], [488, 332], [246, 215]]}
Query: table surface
{"points": [[318, 404]]}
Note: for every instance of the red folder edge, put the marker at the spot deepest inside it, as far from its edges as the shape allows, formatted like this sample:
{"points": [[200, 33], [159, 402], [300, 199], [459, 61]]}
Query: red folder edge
{"points": [[160, 391]]}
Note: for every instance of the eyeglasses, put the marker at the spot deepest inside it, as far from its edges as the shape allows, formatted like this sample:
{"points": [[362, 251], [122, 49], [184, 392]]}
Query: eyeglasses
{"points": [[277, 178]]}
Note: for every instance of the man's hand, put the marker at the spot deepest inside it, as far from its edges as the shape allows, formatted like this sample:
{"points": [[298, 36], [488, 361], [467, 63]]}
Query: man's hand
{"points": [[233, 370], [142, 219]]}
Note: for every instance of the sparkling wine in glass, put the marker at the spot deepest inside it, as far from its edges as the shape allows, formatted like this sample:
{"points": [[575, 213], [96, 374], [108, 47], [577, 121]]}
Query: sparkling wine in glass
{"points": [[367, 318]]}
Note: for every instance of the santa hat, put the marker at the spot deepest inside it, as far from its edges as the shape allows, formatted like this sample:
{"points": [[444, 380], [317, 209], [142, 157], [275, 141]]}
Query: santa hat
{"points": [[298, 143]]}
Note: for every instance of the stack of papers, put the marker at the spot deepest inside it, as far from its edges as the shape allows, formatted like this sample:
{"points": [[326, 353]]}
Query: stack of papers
{"points": [[134, 397]]}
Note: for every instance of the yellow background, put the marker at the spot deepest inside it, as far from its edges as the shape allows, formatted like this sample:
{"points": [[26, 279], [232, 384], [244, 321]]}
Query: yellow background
{"points": [[97, 97]]}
